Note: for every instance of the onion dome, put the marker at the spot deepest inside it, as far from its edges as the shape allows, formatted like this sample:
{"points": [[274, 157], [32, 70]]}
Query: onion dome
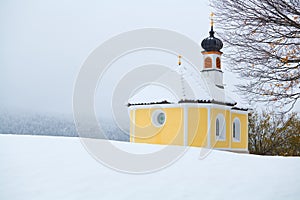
{"points": [[212, 43]]}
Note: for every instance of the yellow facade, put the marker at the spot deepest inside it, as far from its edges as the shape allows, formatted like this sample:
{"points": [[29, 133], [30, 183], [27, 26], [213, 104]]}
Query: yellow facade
{"points": [[243, 143], [220, 143], [147, 132], [197, 127], [189, 124]]}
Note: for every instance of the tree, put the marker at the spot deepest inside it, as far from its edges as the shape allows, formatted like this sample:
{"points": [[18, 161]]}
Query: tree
{"points": [[273, 134], [265, 40]]}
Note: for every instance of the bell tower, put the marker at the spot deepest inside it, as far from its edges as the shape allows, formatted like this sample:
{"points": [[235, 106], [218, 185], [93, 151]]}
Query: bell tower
{"points": [[212, 68]]}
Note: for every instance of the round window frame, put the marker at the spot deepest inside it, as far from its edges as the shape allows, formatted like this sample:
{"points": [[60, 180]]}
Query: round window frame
{"points": [[154, 118]]}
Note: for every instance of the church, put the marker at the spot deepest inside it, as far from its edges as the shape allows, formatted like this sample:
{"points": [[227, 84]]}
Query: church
{"points": [[212, 120]]}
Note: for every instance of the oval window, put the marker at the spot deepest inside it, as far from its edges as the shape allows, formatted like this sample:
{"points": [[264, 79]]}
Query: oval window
{"points": [[158, 118], [161, 118]]}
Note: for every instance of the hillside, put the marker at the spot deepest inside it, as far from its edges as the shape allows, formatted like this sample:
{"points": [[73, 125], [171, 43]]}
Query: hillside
{"points": [[46, 167]]}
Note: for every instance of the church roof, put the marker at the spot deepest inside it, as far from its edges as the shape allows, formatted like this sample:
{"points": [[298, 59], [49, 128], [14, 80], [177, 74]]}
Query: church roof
{"points": [[194, 89]]}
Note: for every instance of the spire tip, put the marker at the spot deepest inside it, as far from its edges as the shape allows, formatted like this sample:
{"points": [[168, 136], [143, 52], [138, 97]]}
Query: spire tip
{"points": [[212, 19], [179, 59]]}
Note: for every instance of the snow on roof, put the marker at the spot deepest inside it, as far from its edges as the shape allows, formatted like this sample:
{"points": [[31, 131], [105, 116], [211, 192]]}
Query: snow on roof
{"points": [[171, 87], [179, 84]]}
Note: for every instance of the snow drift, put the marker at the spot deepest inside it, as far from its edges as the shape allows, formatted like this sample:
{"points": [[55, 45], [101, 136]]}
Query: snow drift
{"points": [[46, 167]]}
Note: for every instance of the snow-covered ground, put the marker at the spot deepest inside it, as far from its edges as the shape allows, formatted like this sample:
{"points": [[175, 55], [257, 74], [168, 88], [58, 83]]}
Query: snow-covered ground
{"points": [[45, 167]]}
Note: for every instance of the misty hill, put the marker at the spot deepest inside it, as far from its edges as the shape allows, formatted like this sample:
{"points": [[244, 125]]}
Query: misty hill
{"points": [[51, 125]]}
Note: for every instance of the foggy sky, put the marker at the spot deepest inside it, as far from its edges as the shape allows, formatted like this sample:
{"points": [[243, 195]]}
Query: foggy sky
{"points": [[44, 43]]}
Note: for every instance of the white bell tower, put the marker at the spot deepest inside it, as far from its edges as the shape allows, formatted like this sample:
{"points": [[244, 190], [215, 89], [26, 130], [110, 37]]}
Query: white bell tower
{"points": [[212, 68]]}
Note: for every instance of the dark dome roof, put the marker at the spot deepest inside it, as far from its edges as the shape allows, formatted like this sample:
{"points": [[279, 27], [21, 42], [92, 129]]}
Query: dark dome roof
{"points": [[211, 43]]}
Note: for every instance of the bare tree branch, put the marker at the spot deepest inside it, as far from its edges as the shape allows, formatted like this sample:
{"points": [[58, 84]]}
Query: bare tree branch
{"points": [[263, 47]]}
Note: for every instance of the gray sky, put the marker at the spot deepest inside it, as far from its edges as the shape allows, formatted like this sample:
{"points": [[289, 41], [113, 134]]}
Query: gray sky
{"points": [[44, 43]]}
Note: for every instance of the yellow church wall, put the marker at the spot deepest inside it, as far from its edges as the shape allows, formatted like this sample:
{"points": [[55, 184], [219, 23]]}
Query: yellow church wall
{"points": [[132, 126], [146, 132], [214, 143], [243, 143], [200, 126], [197, 126]]}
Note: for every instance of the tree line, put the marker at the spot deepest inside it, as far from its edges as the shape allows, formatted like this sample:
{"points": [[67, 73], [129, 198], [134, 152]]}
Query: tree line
{"points": [[271, 133]]}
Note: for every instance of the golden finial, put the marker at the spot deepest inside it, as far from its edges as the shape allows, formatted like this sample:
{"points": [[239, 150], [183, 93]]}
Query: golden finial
{"points": [[212, 19], [179, 59]]}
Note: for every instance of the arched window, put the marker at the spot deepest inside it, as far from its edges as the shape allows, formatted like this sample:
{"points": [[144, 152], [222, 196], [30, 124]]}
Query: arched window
{"points": [[220, 127], [233, 129], [218, 63], [236, 129], [217, 127], [208, 62]]}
